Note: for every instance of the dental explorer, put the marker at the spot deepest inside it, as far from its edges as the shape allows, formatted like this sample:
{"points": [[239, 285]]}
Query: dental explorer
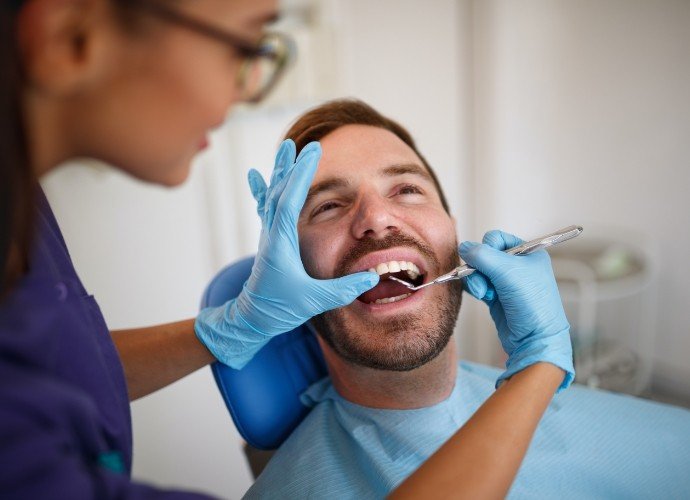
{"points": [[546, 241]]}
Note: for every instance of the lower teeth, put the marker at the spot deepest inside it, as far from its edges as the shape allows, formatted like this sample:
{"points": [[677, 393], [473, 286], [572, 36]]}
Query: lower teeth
{"points": [[388, 300]]}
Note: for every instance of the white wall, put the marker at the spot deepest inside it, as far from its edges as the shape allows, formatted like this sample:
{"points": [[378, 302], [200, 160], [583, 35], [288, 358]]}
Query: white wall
{"points": [[582, 115]]}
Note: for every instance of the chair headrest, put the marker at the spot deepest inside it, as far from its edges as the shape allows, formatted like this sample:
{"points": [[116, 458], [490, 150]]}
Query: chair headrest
{"points": [[264, 397]]}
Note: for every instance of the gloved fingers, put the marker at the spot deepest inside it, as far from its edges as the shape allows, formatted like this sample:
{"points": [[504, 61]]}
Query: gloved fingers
{"points": [[476, 285], [285, 158], [308, 149], [344, 290], [310, 153], [489, 261], [291, 200], [504, 241], [257, 186], [479, 287], [501, 240], [272, 198]]}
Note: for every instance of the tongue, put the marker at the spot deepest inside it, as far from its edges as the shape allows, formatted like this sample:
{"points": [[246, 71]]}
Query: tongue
{"points": [[386, 288]]}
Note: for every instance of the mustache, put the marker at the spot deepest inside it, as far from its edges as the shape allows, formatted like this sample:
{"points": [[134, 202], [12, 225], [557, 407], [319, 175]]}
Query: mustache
{"points": [[369, 245]]}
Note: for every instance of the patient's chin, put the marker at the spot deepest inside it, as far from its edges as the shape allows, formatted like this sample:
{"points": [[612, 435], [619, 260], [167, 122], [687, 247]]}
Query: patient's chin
{"points": [[405, 355], [395, 344]]}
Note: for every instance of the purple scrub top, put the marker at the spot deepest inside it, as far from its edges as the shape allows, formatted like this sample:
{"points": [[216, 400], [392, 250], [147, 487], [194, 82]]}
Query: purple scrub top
{"points": [[65, 423]]}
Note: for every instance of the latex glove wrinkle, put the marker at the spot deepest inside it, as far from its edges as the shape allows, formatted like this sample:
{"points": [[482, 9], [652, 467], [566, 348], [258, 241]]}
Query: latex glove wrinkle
{"points": [[279, 295], [523, 301]]}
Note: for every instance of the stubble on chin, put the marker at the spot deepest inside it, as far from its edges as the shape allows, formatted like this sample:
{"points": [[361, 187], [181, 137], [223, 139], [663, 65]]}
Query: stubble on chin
{"points": [[396, 344]]}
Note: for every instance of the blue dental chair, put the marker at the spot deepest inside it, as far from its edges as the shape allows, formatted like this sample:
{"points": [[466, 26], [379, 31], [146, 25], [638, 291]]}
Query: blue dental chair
{"points": [[263, 397]]}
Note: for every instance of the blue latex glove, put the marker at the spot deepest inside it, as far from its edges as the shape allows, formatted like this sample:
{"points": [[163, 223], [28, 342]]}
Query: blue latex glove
{"points": [[523, 299], [279, 295]]}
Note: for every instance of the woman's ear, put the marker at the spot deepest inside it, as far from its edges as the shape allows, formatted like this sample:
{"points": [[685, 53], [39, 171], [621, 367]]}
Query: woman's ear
{"points": [[61, 43]]}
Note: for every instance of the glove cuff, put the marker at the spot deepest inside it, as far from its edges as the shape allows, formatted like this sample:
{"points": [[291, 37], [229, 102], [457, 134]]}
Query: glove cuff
{"points": [[556, 350], [225, 333]]}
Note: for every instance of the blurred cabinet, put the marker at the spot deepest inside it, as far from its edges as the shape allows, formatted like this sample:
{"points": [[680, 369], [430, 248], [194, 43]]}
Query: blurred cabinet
{"points": [[608, 286]]}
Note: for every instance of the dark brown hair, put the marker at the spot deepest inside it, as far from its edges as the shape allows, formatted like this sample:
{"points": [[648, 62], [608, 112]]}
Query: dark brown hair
{"points": [[320, 121], [16, 180]]}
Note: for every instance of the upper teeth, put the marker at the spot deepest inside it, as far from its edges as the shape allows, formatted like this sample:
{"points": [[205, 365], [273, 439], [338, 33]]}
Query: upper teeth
{"points": [[395, 266]]}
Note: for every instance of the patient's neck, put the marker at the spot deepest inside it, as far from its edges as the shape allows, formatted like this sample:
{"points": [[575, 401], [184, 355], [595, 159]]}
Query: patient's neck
{"points": [[424, 386]]}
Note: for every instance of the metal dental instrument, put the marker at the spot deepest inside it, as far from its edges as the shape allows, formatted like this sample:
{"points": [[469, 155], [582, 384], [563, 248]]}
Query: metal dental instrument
{"points": [[526, 248]]}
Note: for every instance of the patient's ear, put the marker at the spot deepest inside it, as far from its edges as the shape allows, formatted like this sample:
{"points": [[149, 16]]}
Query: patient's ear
{"points": [[62, 43]]}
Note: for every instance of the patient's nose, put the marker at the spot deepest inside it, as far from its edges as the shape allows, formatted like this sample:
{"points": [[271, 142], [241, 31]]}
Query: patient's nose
{"points": [[373, 218]]}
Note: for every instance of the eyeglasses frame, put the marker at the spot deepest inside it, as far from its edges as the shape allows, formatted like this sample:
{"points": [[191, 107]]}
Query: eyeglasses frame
{"points": [[249, 51]]}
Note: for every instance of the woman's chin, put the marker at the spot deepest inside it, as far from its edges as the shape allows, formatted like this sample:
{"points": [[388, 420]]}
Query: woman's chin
{"points": [[170, 177], [177, 179]]}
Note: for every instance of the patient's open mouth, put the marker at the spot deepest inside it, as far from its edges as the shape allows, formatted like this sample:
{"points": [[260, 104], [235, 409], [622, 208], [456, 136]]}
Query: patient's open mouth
{"points": [[388, 291]]}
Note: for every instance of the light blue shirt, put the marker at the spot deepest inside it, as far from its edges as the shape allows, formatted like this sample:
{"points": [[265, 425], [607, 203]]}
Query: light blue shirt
{"points": [[589, 444]]}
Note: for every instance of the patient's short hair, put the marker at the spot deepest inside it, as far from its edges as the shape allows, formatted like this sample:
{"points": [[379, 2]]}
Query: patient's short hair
{"points": [[320, 121]]}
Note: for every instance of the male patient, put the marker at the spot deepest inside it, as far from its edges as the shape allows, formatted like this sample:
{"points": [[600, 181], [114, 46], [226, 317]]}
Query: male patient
{"points": [[396, 391]]}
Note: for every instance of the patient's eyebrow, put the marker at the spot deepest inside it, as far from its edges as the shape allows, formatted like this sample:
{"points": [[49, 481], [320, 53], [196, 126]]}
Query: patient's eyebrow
{"points": [[326, 185], [389, 171], [406, 168]]}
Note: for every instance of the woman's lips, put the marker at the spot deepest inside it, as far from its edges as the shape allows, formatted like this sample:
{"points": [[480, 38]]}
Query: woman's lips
{"points": [[203, 144]]}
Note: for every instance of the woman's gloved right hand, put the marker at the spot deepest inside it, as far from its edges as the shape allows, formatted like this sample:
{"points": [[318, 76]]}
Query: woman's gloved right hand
{"points": [[524, 303], [279, 294]]}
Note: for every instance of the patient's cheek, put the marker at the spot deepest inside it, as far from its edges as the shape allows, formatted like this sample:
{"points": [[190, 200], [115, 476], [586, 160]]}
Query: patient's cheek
{"points": [[321, 250], [309, 253]]}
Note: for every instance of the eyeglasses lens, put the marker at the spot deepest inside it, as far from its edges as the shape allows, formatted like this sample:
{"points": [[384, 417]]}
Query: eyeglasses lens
{"points": [[261, 72]]}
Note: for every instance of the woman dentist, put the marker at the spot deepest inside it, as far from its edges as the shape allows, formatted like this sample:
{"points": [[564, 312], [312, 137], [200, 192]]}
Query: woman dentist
{"points": [[139, 84]]}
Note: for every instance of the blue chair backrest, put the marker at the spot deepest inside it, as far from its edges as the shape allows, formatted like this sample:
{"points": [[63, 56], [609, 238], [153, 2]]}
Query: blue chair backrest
{"points": [[264, 397]]}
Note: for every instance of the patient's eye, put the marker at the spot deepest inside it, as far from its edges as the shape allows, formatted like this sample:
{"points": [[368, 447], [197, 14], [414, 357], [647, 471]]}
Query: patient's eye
{"points": [[325, 207], [409, 189]]}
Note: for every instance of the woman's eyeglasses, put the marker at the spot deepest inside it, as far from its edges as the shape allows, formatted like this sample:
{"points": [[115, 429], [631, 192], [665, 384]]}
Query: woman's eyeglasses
{"points": [[263, 63]]}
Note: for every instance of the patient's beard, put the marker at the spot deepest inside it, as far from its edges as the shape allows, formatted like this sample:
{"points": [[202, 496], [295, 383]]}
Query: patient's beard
{"points": [[398, 344]]}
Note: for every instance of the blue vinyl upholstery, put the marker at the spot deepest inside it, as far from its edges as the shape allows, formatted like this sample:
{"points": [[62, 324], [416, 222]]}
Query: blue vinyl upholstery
{"points": [[263, 397]]}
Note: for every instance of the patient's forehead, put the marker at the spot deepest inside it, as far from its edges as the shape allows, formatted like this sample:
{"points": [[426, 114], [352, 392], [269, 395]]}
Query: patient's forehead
{"points": [[362, 148]]}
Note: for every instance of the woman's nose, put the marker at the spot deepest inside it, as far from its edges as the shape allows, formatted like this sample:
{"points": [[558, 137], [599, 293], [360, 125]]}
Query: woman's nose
{"points": [[374, 218]]}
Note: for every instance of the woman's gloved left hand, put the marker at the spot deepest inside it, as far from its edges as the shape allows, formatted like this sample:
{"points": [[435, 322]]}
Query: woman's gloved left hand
{"points": [[279, 294]]}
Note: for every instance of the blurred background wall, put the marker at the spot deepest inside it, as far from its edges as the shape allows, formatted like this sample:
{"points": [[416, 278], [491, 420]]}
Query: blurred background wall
{"points": [[535, 114]]}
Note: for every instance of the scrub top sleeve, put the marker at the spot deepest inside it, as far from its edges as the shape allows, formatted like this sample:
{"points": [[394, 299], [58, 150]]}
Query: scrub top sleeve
{"points": [[50, 446]]}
